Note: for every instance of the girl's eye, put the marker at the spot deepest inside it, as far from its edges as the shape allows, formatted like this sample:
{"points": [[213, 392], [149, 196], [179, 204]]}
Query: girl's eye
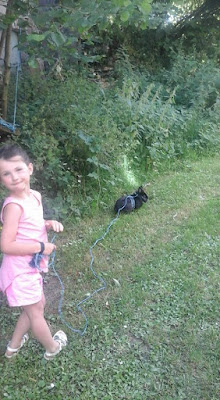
{"points": [[6, 174]]}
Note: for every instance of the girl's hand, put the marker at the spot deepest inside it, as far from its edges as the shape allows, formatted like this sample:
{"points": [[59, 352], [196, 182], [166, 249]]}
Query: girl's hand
{"points": [[55, 225], [49, 248]]}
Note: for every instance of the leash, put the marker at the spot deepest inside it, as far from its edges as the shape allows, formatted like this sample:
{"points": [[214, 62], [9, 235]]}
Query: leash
{"points": [[35, 263]]}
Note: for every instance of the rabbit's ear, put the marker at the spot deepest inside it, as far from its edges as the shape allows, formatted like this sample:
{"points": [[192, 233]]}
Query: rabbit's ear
{"points": [[140, 189]]}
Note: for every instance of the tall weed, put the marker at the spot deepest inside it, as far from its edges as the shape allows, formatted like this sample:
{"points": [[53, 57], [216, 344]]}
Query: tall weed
{"points": [[172, 111]]}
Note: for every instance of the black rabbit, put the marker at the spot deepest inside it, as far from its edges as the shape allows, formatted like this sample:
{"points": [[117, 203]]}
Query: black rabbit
{"points": [[131, 202]]}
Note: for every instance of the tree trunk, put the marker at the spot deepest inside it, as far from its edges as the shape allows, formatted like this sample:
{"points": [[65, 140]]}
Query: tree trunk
{"points": [[2, 41], [6, 77]]}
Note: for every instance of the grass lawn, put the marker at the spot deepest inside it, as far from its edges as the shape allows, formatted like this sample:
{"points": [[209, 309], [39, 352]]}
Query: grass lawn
{"points": [[153, 333]]}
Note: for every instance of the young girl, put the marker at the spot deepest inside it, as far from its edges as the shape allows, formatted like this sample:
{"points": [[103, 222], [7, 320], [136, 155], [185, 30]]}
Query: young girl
{"points": [[24, 234]]}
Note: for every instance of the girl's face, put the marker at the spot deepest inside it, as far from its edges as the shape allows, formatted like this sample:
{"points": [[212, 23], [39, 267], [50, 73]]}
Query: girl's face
{"points": [[15, 175]]}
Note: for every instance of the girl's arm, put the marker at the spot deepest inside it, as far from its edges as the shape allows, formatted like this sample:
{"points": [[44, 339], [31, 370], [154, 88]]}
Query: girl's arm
{"points": [[55, 225], [11, 216]]}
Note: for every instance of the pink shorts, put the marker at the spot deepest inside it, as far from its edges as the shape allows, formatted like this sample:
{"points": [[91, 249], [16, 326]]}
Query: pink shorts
{"points": [[24, 290]]}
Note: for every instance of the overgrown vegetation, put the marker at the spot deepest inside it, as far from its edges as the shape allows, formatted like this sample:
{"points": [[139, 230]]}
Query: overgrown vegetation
{"points": [[85, 133]]}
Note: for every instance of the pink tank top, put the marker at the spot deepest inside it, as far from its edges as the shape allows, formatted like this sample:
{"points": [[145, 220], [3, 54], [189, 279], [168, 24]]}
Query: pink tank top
{"points": [[31, 228]]}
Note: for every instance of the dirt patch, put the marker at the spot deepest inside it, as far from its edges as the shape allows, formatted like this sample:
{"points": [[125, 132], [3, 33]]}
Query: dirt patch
{"points": [[140, 343], [52, 293]]}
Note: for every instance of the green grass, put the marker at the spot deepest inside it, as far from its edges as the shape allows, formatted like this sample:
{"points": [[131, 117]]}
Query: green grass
{"points": [[156, 335]]}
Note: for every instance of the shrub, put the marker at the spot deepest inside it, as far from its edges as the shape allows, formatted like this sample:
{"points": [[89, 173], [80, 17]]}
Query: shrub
{"points": [[70, 135]]}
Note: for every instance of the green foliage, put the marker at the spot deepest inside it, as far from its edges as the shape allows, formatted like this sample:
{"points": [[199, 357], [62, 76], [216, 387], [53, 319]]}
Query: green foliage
{"points": [[64, 30], [169, 112], [70, 135], [86, 135], [75, 31], [195, 78]]}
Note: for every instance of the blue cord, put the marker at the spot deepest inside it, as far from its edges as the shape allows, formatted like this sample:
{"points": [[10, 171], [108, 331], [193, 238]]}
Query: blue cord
{"points": [[16, 94], [18, 69], [78, 305], [35, 264]]}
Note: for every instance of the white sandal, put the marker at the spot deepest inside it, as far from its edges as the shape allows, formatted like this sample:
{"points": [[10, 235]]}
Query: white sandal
{"points": [[61, 338], [15, 351]]}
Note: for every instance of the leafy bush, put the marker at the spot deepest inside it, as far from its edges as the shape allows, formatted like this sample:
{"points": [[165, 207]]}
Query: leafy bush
{"points": [[70, 135], [195, 79]]}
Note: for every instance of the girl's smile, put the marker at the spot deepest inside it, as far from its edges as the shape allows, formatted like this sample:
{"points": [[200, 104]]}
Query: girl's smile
{"points": [[15, 175]]}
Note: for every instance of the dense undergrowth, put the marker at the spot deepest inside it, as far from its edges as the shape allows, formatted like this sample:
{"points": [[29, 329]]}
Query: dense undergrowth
{"points": [[91, 138]]}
